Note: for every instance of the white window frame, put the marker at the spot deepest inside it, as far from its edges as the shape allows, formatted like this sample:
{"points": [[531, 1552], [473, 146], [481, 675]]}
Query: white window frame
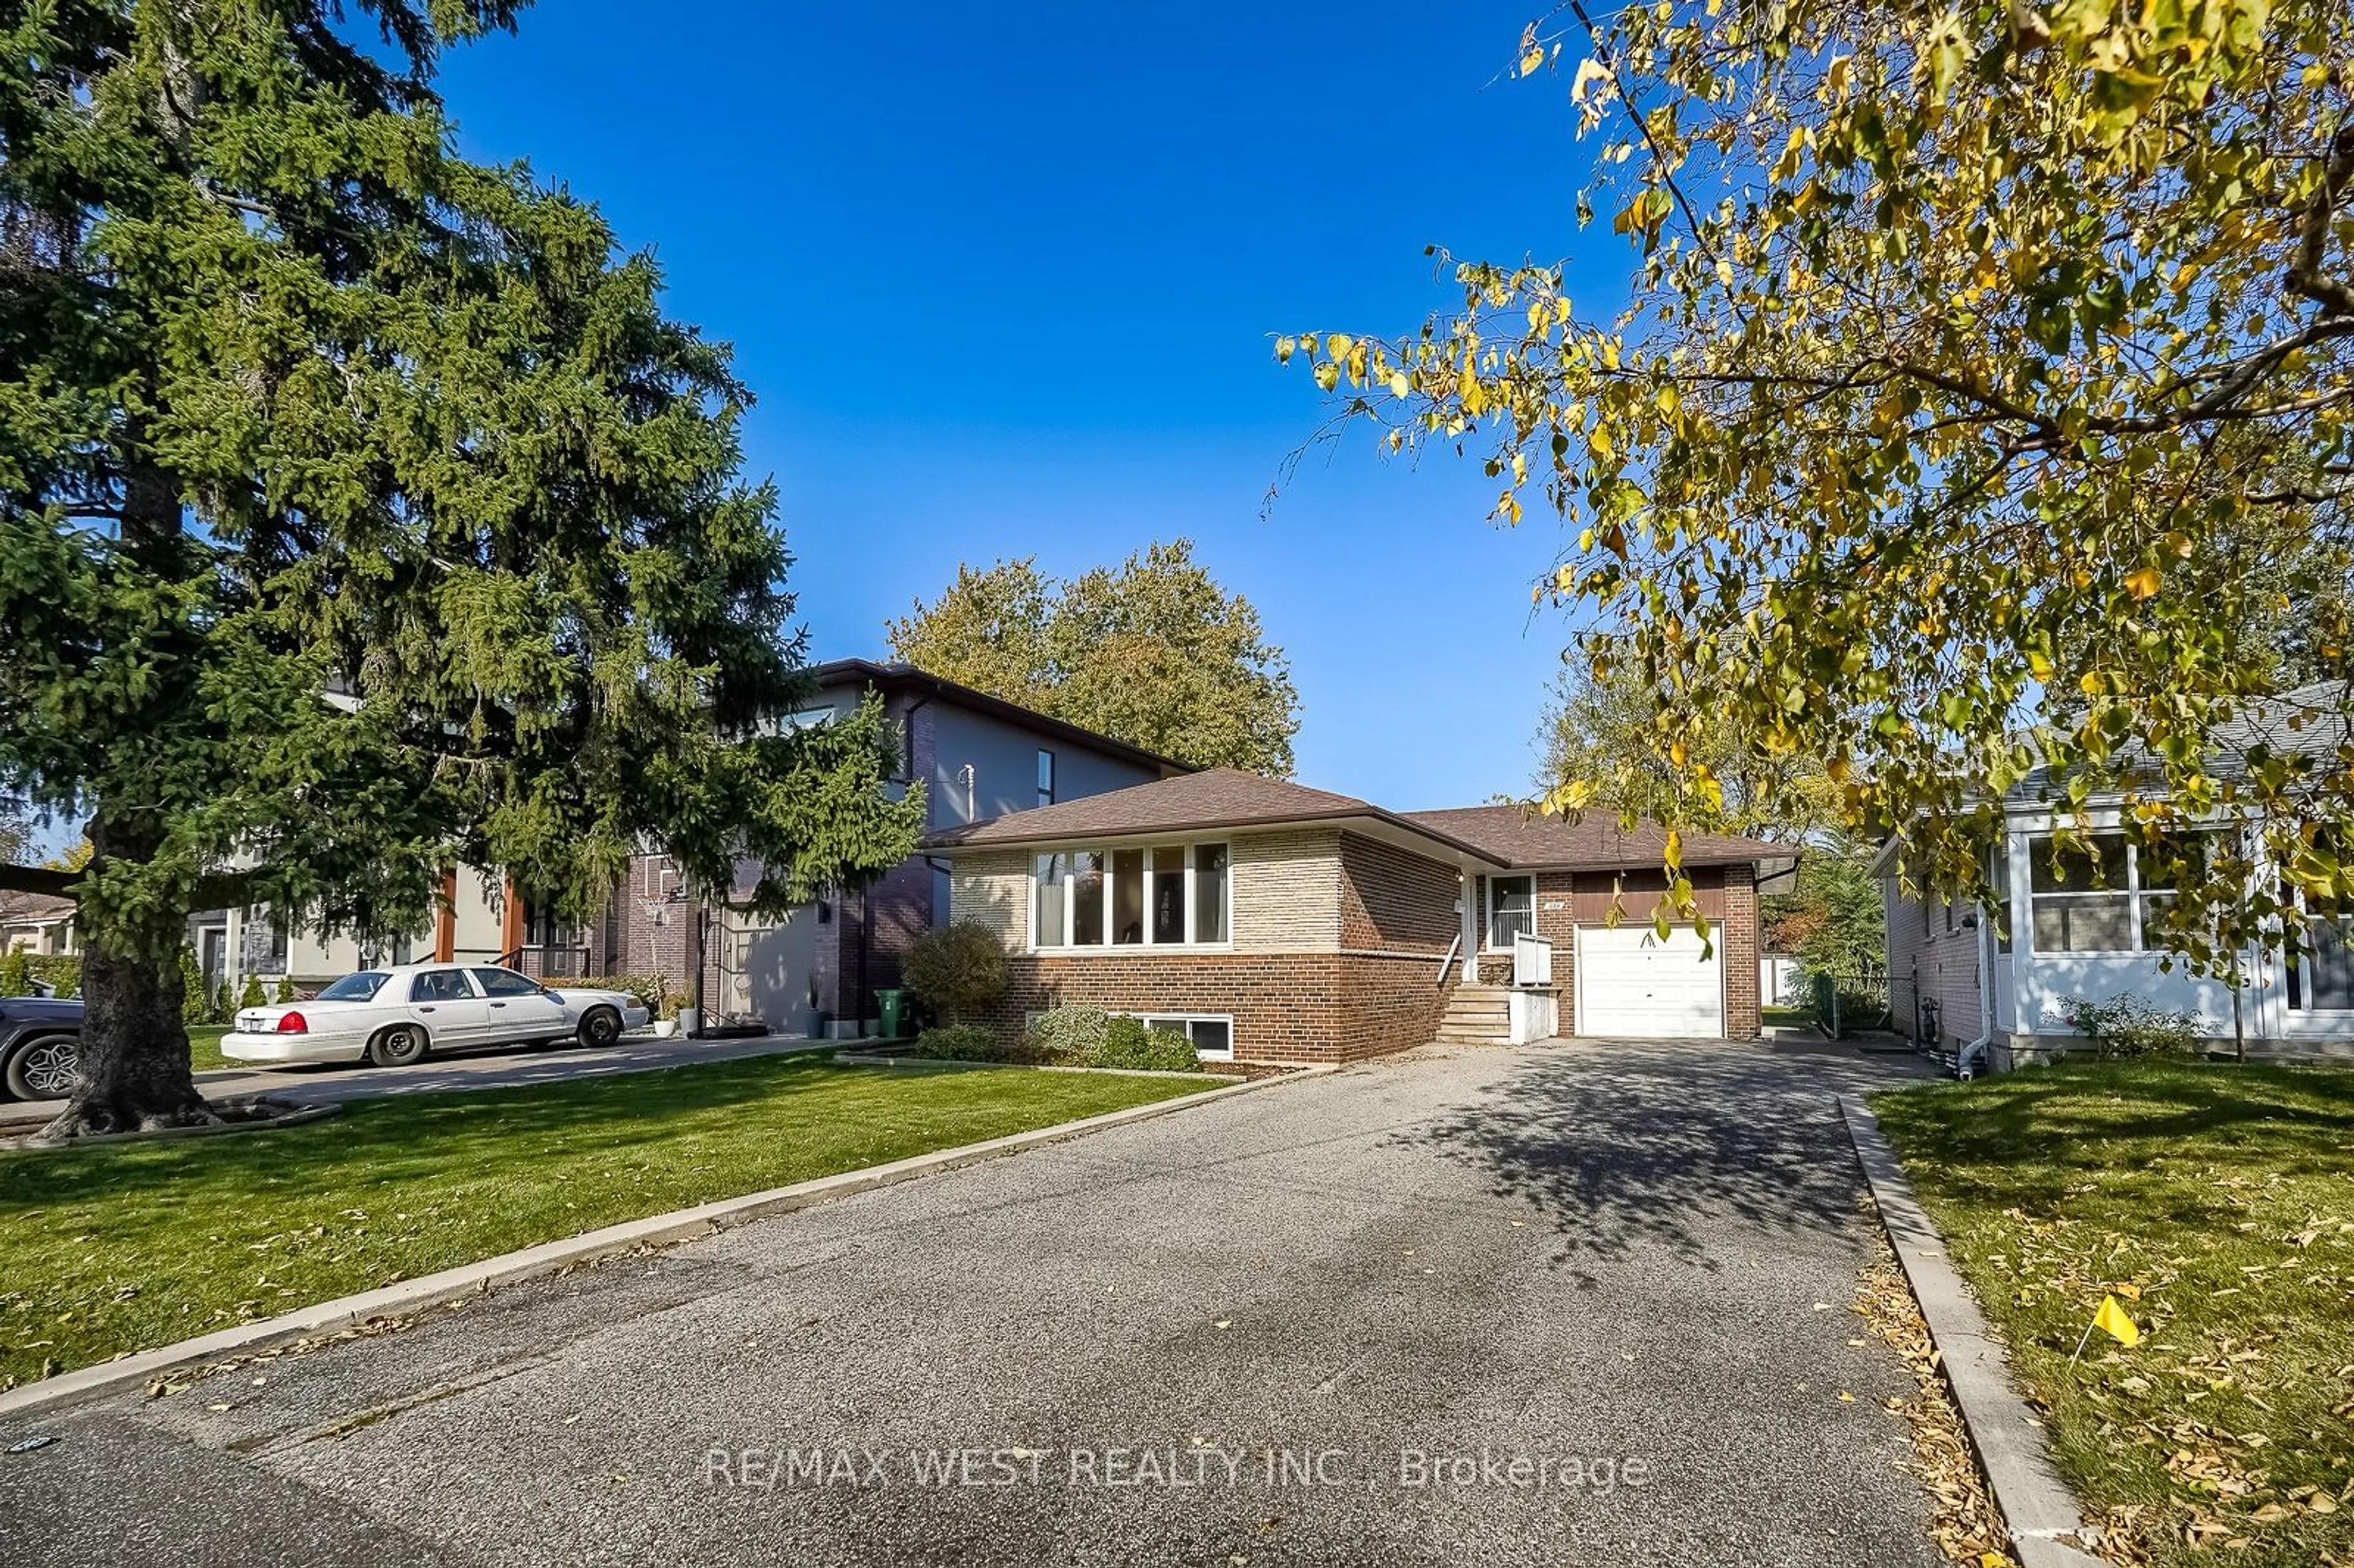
{"points": [[1193, 847], [2130, 890], [1488, 907], [1180, 1023]]}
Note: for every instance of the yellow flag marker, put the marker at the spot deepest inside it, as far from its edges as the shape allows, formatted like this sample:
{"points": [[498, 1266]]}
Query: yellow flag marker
{"points": [[2115, 1322]]}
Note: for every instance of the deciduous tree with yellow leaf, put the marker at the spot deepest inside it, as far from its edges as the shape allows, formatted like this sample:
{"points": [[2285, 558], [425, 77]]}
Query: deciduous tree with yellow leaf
{"points": [[1970, 358]]}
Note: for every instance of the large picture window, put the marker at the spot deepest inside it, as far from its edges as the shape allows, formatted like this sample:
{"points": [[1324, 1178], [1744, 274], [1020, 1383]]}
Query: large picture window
{"points": [[1159, 896]]}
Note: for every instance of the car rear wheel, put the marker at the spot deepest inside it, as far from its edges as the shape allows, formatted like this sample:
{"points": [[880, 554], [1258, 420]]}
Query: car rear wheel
{"points": [[600, 1028], [42, 1068], [402, 1046]]}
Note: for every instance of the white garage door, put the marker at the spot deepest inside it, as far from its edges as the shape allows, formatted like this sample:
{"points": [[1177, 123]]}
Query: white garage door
{"points": [[1634, 985]]}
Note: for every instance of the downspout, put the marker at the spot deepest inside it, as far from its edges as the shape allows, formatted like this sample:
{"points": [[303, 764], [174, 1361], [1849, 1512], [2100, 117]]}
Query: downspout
{"points": [[1974, 1048]]}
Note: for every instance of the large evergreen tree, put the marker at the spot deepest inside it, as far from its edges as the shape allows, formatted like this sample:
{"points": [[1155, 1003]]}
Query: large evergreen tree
{"points": [[360, 514]]}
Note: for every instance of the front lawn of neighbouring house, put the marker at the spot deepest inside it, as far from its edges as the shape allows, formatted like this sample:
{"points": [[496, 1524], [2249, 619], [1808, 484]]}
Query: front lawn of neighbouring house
{"points": [[203, 1048], [127, 1246], [2217, 1203]]}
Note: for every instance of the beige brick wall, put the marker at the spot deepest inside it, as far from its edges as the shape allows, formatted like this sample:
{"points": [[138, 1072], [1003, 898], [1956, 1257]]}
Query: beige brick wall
{"points": [[991, 888], [1287, 890]]}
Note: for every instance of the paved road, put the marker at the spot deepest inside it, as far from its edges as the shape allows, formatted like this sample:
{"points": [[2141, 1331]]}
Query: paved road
{"points": [[1572, 1253], [499, 1069]]}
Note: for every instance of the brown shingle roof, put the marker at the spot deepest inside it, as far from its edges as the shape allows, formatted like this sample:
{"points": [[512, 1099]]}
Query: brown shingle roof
{"points": [[28, 906], [1217, 798], [1597, 843]]}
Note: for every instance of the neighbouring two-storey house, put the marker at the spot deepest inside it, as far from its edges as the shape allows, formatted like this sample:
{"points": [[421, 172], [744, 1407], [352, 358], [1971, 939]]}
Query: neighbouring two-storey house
{"points": [[976, 755]]}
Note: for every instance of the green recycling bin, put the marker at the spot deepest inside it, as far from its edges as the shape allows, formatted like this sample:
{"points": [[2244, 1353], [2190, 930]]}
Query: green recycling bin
{"points": [[888, 1002]]}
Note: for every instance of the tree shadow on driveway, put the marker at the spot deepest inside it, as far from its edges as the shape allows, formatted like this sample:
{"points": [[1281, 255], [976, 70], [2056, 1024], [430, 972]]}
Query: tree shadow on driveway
{"points": [[1686, 1146]]}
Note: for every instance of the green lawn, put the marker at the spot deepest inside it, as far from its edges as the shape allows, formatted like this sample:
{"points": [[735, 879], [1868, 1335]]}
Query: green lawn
{"points": [[2217, 1202], [126, 1246], [203, 1048], [1798, 1016]]}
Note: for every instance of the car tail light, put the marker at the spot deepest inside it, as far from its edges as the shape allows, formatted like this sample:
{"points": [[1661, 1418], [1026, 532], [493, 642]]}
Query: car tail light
{"points": [[292, 1024]]}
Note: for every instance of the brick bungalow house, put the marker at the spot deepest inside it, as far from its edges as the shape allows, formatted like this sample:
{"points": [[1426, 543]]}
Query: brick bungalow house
{"points": [[1280, 923]]}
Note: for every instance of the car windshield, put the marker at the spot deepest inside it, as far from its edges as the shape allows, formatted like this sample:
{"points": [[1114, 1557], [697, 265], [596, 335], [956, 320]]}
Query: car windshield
{"points": [[358, 986]]}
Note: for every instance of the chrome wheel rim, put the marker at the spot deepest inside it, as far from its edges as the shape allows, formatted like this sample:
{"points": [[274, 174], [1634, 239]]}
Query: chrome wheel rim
{"points": [[50, 1068]]}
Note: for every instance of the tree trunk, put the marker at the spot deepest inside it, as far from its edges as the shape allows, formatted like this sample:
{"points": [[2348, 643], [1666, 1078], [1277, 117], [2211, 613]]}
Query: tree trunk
{"points": [[133, 1072]]}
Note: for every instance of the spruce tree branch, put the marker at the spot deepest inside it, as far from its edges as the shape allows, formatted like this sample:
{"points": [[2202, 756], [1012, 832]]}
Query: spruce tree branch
{"points": [[42, 879]]}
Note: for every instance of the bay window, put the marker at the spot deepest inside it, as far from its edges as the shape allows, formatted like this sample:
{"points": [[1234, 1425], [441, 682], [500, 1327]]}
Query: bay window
{"points": [[1088, 899], [1162, 895]]}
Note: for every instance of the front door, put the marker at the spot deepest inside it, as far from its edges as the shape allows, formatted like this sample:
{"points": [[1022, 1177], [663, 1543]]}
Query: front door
{"points": [[212, 956]]}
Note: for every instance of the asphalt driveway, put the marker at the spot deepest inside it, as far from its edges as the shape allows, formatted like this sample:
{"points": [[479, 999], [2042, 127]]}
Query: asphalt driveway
{"points": [[1314, 1325]]}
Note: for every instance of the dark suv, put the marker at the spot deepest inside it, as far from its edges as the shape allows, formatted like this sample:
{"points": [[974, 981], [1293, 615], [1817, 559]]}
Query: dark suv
{"points": [[40, 1037]]}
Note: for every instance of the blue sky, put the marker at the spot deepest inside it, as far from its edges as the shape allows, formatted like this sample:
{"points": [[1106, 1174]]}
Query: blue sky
{"points": [[1003, 281]]}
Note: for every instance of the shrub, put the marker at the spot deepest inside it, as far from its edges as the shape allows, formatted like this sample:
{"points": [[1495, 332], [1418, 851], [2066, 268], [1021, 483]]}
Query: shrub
{"points": [[2127, 1027], [222, 1006], [651, 989], [1067, 1036], [62, 972], [195, 1002], [959, 1043], [1129, 1043], [252, 995], [16, 973], [957, 968], [286, 990]]}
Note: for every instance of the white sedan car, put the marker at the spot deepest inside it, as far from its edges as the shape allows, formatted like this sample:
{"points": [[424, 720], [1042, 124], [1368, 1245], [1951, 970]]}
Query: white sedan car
{"points": [[394, 1017]]}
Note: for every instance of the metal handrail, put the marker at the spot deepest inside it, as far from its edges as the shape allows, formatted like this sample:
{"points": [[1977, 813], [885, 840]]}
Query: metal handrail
{"points": [[1506, 927], [1448, 961]]}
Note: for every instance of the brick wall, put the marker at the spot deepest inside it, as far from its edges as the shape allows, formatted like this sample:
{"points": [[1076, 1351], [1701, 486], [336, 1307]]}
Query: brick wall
{"points": [[1942, 965], [1394, 901], [1289, 1008], [991, 888], [1388, 1003], [1287, 890], [1736, 943]]}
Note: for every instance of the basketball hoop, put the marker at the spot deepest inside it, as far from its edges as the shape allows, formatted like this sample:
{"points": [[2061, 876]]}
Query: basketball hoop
{"points": [[653, 910]]}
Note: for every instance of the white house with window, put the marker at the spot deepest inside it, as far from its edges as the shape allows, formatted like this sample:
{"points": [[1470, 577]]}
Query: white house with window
{"points": [[2083, 922]]}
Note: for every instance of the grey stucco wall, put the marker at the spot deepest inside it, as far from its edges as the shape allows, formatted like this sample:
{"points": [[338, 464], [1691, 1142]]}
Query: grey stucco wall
{"points": [[1005, 760]]}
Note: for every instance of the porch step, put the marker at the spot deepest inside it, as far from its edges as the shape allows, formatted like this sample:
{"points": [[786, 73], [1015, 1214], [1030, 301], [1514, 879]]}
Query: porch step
{"points": [[1476, 1015]]}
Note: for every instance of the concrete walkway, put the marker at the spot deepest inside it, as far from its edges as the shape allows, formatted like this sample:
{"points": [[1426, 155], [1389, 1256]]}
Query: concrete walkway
{"points": [[503, 1068], [1317, 1324]]}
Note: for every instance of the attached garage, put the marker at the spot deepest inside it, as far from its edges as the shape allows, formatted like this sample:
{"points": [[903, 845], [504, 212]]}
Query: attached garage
{"points": [[1633, 983]]}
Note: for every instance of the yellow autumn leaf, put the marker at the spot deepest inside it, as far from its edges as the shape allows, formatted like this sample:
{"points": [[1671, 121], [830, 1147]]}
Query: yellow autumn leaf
{"points": [[2142, 584]]}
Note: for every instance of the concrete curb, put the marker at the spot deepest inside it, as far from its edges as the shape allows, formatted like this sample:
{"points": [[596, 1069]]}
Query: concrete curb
{"points": [[134, 1371], [2037, 1506]]}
